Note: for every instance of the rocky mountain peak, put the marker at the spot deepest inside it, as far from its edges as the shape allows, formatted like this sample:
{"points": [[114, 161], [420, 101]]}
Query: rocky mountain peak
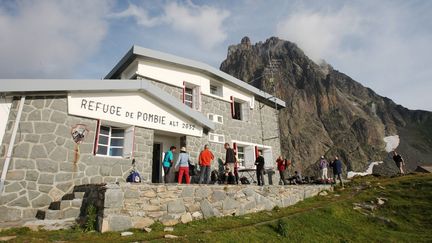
{"points": [[328, 112]]}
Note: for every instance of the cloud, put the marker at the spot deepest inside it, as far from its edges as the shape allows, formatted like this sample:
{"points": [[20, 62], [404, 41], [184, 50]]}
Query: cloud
{"points": [[383, 45], [203, 23], [139, 14], [319, 33], [49, 38]]}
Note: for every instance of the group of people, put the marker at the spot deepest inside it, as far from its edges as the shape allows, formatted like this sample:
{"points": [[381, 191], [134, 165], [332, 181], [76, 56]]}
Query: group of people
{"points": [[183, 163], [205, 159], [230, 164], [335, 165]]}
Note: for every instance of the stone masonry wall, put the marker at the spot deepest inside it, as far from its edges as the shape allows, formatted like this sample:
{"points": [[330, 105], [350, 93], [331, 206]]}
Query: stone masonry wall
{"points": [[139, 205], [263, 124], [42, 167]]}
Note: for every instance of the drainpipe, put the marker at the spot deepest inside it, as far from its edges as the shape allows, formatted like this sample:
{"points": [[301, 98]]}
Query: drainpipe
{"points": [[11, 144]]}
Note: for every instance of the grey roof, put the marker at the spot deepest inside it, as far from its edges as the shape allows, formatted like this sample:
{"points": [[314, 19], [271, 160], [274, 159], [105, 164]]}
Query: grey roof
{"points": [[137, 51], [66, 85]]}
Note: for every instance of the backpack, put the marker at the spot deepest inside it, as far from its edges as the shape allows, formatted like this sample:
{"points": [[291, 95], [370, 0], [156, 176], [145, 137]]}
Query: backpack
{"points": [[134, 177], [244, 181], [192, 169]]}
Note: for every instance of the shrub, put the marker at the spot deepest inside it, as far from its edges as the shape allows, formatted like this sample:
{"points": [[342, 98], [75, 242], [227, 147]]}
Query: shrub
{"points": [[282, 228], [91, 217]]}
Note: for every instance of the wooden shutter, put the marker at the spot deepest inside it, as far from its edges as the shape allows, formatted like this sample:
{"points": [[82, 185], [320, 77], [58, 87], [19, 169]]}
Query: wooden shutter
{"points": [[128, 144], [95, 148], [245, 111], [197, 98], [232, 107], [249, 156], [267, 154]]}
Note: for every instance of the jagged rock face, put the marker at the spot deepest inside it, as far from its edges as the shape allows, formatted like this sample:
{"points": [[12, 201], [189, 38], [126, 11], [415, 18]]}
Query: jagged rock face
{"points": [[327, 112]]}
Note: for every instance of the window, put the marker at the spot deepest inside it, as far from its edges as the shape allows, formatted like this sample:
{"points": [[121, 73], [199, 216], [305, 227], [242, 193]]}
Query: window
{"points": [[215, 118], [241, 155], [192, 96], [216, 138], [188, 97], [220, 119], [114, 141], [216, 89], [110, 141], [239, 109]]}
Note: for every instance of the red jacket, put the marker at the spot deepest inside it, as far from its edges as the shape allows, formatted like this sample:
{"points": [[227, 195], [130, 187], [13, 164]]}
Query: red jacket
{"points": [[206, 158], [280, 164]]}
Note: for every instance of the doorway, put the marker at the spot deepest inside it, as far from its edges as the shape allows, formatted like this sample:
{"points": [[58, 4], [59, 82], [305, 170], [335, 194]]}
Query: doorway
{"points": [[157, 163]]}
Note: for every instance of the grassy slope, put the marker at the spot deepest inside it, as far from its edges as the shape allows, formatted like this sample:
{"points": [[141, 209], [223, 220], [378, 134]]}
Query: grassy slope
{"points": [[322, 219]]}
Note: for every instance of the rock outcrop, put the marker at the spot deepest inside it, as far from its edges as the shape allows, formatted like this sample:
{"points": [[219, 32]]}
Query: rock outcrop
{"points": [[328, 113]]}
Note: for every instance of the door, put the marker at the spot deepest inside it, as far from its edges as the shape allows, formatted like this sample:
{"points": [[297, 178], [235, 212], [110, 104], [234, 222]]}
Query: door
{"points": [[157, 163]]}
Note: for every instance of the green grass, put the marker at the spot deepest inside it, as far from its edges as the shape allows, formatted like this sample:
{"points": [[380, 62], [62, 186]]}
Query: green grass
{"points": [[321, 219]]}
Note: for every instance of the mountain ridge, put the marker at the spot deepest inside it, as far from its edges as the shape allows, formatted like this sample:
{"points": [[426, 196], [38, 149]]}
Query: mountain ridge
{"points": [[329, 113]]}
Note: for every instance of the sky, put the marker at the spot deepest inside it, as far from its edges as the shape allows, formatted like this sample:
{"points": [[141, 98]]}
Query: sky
{"points": [[385, 45]]}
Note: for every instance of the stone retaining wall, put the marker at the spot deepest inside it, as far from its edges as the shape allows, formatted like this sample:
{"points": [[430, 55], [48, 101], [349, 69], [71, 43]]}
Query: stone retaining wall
{"points": [[138, 206]]}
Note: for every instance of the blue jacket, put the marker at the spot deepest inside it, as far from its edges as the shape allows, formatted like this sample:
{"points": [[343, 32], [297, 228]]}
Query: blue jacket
{"points": [[337, 167]]}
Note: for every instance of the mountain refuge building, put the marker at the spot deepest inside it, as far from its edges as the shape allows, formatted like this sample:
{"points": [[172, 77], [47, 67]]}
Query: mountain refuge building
{"points": [[58, 134]]}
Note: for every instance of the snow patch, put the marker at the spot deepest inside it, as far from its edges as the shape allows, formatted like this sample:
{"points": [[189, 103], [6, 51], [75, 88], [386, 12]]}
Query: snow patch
{"points": [[392, 142], [368, 171]]}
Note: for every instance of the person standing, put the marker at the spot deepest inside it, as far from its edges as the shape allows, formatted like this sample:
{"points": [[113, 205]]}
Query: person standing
{"points": [[281, 168], [259, 162], [168, 162], [400, 163], [337, 170], [205, 159], [183, 164], [323, 166], [230, 160]]}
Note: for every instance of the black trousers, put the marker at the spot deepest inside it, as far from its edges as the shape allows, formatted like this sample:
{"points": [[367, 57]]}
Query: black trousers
{"points": [[260, 176], [166, 172], [282, 177]]}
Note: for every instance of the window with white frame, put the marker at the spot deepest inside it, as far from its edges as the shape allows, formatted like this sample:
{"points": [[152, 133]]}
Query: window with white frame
{"points": [[192, 96], [215, 118], [114, 141], [216, 138], [240, 109], [188, 97], [216, 89], [241, 155]]}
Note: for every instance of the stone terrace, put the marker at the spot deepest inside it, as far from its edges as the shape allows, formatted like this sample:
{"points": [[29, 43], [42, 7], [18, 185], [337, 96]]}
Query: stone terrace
{"points": [[139, 205]]}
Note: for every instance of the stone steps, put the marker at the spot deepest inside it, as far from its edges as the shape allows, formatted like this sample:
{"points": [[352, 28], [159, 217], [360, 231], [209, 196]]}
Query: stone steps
{"points": [[69, 207]]}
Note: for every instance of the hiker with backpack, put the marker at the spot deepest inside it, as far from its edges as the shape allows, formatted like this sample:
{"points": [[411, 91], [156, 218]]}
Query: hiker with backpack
{"points": [[400, 163], [205, 159], [168, 162], [183, 165], [323, 164], [280, 162]]}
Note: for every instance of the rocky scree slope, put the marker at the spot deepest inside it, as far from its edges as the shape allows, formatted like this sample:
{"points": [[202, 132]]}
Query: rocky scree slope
{"points": [[327, 112]]}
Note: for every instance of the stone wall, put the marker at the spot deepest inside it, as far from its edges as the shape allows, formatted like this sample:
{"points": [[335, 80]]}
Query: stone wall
{"points": [[140, 205], [262, 127], [42, 167]]}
